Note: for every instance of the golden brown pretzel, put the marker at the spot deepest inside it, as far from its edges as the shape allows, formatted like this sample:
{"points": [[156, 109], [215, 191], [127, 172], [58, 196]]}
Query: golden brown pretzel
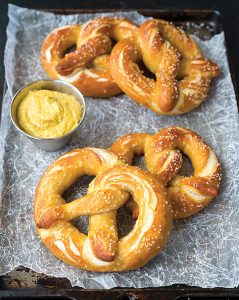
{"points": [[183, 75], [187, 194], [88, 66], [101, 250]]}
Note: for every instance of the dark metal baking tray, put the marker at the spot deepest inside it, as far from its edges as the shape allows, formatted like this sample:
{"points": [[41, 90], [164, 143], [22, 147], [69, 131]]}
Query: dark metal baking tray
{"points": [[23, 283]]}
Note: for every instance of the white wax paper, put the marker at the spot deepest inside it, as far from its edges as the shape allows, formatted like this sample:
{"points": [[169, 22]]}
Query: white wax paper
{"points": [[201, 250]]}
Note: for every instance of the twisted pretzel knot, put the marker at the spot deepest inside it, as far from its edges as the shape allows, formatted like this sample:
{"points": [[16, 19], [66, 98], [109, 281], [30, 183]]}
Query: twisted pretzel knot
{"points": [[88, 66], [188, 195], [183, 75], [114, 182]]}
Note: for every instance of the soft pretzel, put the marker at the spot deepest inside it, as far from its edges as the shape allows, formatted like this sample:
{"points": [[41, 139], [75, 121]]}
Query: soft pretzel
{"points": [[183, 75], [101, 250], [187, 194], [88, 66]]}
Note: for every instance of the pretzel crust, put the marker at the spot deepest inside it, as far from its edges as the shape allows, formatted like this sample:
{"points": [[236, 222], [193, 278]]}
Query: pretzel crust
{"points": [[183, 75], [101, 250], [88, 66], [188, 195]]}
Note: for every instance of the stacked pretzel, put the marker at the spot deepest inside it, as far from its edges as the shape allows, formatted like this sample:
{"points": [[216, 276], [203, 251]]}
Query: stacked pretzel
{"points": [[158, 196], [101, 250], [182, 74], [88, 66], [163, 159]]}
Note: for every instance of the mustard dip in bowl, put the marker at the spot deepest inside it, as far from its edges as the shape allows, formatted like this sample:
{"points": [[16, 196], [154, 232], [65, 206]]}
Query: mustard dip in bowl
{"points": [[48, 112]]}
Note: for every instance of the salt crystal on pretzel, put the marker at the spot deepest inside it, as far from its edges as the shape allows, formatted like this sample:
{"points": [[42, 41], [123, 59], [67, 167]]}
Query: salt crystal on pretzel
{"points": [[101, 250], [188, 195], [88, 66], [183, 75]]}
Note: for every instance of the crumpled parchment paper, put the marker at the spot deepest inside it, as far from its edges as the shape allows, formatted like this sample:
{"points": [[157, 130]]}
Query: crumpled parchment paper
{"points": [[201, 251]]}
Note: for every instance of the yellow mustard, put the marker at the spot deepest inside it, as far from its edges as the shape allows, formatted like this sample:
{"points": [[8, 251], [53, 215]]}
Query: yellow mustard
{"points": [[48, 114]]}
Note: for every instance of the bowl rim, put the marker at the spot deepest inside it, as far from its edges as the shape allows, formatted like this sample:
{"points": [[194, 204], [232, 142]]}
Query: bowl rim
{"points": [[49, 80]]}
